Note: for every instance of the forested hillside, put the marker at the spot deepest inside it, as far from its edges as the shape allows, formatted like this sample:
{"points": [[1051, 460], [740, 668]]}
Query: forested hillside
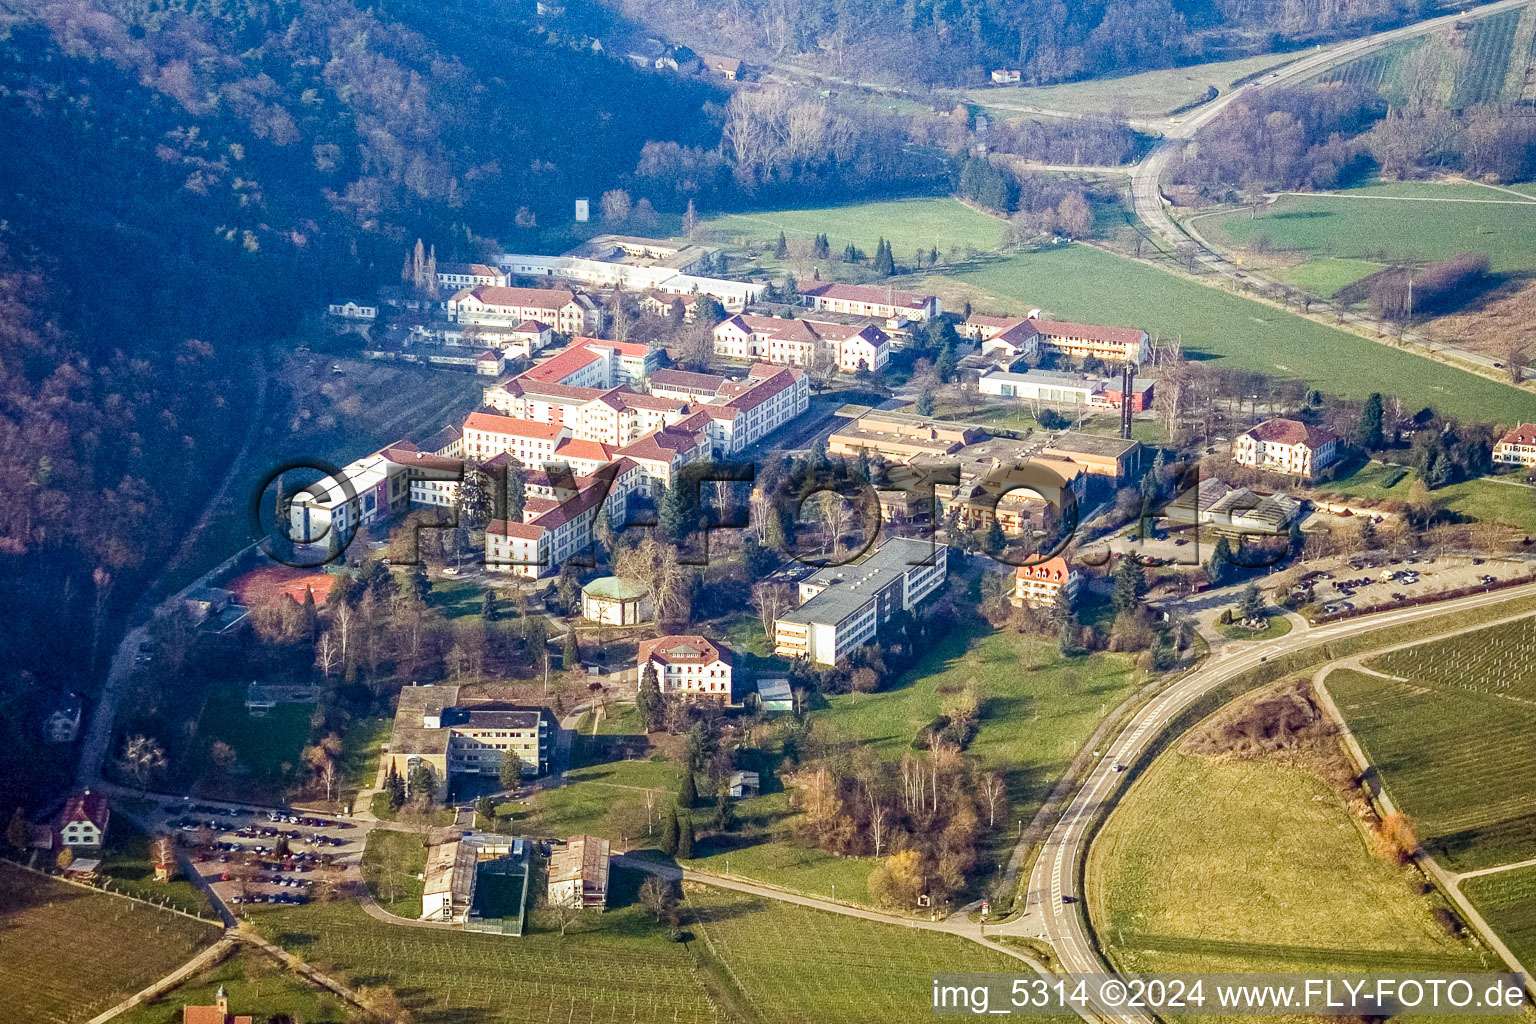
{"points": [[956, 42], [180, 184]]}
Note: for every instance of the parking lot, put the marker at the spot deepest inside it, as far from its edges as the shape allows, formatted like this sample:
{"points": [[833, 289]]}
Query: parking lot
{"points": [[1363, 584], [262, 855]]}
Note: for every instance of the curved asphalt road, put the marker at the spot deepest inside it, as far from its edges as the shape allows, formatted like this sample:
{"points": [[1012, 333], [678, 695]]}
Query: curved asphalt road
{"points": [[1057, 872], [1146, 176]]}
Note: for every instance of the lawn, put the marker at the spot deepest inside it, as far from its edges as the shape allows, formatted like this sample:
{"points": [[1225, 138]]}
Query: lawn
{"points": [[255, 983], [615, 966], [392, 866], [126, 861], [71, 953], [1235, 865], [1081, 283], [909, 224], [801, 966], [267, 748], [1277, 625], [360, 748], [1481, 499], [1508, 901], [1340, 224], [1327, 275], [1149, 94], [1457, 760]]}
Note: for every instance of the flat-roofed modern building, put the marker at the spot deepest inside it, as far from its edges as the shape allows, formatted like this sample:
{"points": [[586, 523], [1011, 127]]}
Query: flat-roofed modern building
{"points": [[433, 728], [1099, 454], [842, 607]]}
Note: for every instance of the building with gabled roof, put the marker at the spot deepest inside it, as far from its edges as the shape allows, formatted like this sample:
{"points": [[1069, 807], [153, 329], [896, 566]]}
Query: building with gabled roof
{"points": [[554, 529], [578, 873], [795, 341], [1287, 446], [498, 306], [889, 303], [532, 443], [688, 666], [218, 1013], [82, 824], [1039, 585], [1517, 447], [454, 277]]}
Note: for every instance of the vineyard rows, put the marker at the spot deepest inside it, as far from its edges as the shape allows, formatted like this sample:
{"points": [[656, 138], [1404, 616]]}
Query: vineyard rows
{"points": [[1500, 661], [1508, 901]]}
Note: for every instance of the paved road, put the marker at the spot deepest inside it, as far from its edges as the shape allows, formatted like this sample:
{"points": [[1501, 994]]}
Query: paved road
{"points": [[1057, 872], [1146, 176]]}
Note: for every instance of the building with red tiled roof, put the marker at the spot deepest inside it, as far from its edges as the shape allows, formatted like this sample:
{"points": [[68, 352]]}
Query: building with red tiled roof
{"points": [[663, 453], [488, 434], [1517, 447], [795, 341], [218, 1013], [689, 667], [555, 529], [1287, 446], [1038, 586], [487, 305], [892, 304], [83, 822]]}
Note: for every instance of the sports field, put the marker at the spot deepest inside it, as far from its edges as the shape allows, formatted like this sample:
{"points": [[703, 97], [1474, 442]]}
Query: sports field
{"points": [[1236, 865], [1376, 224], [1507, 900], [71, 953], [1082, 283], [908, 224], [1149, 94], [1453, 748]]}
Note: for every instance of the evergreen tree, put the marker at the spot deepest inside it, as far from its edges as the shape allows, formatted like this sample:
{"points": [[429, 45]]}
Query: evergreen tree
{"points": [[688, 795], [885, 261], [685, 837], [488, 607], [571, 652], [995, 540], [669, 834], [707, 310], [945, 365], [394, 787], [823, 248], [679, 514], [648, 699], [1130, 584], [781, 250], [850, 254], [517, 492], [925, 404], [933, 256], [1368, 432], [1368, 537], [420, 584], [474, 502], [1219, 564], [677, 313], [485, 809], [723, 818], [18, 833], [1252, 605], [1068, 629]]}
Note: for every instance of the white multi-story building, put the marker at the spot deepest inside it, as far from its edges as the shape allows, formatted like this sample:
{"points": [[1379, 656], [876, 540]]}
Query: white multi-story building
{"points": [[1039, 585], [1286, 446], [1027, 337], [530, 442], [689, 667], [795, 342], [1517, 447], [493, 306], [843, 607], [453, 277], [433, 728], [890, 304], [555, 529]]}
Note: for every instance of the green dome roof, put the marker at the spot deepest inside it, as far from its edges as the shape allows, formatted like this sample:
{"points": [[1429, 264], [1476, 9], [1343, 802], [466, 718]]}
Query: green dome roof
{"points": [[614, 588]]}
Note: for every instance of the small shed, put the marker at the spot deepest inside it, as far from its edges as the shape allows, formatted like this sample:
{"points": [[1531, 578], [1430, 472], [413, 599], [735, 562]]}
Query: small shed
{"points": [[744, 784], [774, 695]]}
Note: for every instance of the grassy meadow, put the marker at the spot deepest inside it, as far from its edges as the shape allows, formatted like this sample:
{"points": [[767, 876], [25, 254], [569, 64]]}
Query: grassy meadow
{"points": [[1086, 284], [1483, 499], [909, 224], [255, 983], [1237, 865]]}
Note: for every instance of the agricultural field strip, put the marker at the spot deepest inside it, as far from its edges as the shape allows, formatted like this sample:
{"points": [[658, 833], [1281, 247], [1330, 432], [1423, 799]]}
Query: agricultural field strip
{"points": [[1489, 44], [1491, 661], [1398, 199]]}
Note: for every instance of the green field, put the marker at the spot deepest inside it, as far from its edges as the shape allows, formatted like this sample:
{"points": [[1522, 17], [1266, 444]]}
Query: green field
{"points": [[1456, 760], [1086, 284], [909, 224], [71, 953], [360, 748], [1373, 224], [1239, 865], [1327, 275], [256, 984], [126, 861], [1278, 626], [1507, 900], [1149, 94], [268, 747], [398, 892], [1484, 499]]}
